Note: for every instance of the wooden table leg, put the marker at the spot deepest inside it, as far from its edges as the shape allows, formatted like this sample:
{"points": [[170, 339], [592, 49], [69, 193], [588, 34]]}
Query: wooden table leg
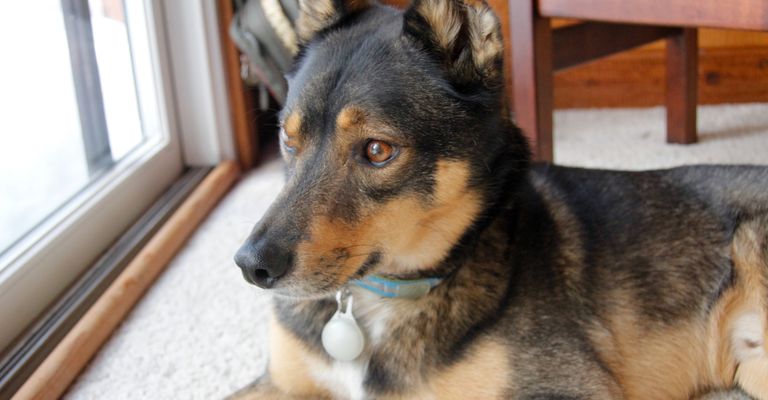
{"points": [[682, 81], [532, 75]]}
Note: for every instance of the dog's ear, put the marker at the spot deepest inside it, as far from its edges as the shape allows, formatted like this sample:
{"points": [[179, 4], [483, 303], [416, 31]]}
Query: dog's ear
{"points": [[464, 35], [318, 15]]}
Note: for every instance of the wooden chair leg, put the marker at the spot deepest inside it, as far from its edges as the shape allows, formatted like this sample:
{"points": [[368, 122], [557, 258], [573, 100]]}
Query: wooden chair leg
{"points": [[501, 8], [532, 75], [682, 81]]}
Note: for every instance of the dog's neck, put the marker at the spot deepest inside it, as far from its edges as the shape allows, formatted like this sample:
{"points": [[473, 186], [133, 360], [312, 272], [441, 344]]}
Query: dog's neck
{"points": [[441, 323]]}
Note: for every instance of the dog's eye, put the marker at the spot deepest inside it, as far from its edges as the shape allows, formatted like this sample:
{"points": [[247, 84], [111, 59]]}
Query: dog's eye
{"points": [[379, 153]]}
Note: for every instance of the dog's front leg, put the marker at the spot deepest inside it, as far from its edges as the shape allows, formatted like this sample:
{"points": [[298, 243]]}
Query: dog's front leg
{"points": [[288, 375], [263, 388]]}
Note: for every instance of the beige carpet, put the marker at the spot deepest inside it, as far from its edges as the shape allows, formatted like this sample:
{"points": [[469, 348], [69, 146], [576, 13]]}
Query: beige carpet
{"points": [[200, 332]]}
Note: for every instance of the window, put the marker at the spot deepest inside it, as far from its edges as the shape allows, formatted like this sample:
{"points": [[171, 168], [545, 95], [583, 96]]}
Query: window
{"points": [[87, 139], [78, 57]]}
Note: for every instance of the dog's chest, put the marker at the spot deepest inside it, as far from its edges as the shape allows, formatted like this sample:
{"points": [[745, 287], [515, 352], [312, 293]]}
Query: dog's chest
{"points": [[375, 316], [343, 379]]}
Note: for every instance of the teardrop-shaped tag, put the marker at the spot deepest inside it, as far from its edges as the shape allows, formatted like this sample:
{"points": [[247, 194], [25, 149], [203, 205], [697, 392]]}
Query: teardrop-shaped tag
{"points": [[342, 338]]}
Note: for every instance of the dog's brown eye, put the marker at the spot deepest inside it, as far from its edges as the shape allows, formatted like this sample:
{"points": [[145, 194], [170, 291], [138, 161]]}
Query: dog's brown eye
{"points": [[378, 152]]}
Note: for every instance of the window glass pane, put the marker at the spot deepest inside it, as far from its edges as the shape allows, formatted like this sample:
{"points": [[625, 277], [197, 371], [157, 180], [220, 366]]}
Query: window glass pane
{"points": [[113, 55], [69, 101], [42, 160]]}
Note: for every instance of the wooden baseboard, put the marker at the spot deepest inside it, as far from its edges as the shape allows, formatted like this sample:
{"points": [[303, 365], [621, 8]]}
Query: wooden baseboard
{"points": [[64, 364], [636, 79]]}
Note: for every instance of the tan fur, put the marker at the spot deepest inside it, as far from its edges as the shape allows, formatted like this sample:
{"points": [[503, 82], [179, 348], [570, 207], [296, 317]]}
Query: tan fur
{"points": [[746, 325], [288, 375], [328, 235], [316, 15], [421, 236], [413, 234], [288, 367], [752, 376], [444, 18], [484, 374], [353, 126], [292, 125], [290, 133], [349, 118], [692, 356], [665, 364], [485, 41], [484, 37]]}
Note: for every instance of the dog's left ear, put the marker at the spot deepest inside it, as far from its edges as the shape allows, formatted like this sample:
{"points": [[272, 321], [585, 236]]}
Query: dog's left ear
{"points": [[317, 15], [465, 36]]}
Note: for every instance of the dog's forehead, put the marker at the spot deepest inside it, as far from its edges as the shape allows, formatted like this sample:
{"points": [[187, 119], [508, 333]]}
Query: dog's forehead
{"points": [[331, 78], [386, 93], [368, 68]]}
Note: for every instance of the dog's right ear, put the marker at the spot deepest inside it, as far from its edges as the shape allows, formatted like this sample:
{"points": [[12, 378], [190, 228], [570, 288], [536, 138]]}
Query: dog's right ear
{"points": [[316, 16], [464, 35]]}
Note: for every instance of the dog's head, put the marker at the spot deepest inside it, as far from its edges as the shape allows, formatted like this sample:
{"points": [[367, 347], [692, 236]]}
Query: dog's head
{"points": [[394, 139]]}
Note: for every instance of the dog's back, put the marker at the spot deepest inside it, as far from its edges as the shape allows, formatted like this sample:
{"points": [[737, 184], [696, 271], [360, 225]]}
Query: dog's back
{"points": [[667, 269], [737, 191]]}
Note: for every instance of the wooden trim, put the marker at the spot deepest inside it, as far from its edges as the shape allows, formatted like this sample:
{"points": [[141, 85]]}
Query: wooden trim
{"points": [[64, 364], [588, 41], [731, 14], [44, 335], [245, 132]]}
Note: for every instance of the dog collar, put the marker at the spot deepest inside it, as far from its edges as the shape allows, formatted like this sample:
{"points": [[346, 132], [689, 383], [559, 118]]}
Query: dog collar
{"points": [[342, 337], [397, 288]]}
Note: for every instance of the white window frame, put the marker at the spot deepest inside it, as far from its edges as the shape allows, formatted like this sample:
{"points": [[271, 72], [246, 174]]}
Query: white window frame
{"points": [[196, 125], [200, 81]]}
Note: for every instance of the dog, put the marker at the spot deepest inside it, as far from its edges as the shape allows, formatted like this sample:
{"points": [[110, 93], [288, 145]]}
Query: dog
{"points": [[416, 252]]}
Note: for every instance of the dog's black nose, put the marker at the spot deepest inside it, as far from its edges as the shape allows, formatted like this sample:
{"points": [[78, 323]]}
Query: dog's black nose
{"points": [[263, 263]]}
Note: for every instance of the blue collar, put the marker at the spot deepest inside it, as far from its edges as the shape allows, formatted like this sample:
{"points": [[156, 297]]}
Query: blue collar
{"points": [[396, 288]]}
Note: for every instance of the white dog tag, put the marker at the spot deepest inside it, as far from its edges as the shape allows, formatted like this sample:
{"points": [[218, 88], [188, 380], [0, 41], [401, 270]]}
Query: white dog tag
{"points": [[342, 338]]}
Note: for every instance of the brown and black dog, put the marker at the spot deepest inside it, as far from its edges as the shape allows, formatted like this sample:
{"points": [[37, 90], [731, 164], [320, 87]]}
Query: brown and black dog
{"points": [[555, 283]]}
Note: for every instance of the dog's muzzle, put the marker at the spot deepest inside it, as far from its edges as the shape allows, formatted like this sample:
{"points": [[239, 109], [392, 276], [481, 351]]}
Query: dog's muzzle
{"points": [[263, 262]]}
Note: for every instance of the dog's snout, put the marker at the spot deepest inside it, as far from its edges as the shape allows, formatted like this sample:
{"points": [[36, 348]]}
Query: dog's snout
{"points": [[263, 262]]}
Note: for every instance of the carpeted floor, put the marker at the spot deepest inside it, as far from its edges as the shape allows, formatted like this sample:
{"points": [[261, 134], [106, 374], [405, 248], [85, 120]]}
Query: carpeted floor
{"points": [[200, 332]]}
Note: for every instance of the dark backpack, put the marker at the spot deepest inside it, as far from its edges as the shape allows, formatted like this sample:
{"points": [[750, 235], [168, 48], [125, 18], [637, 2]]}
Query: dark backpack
{"points": [[264, 30]]}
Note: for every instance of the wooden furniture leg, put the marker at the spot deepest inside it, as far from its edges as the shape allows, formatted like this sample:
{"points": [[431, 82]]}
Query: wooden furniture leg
{"points": [[241, 107], [532, 75], [501, 8], [682, 91]]}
